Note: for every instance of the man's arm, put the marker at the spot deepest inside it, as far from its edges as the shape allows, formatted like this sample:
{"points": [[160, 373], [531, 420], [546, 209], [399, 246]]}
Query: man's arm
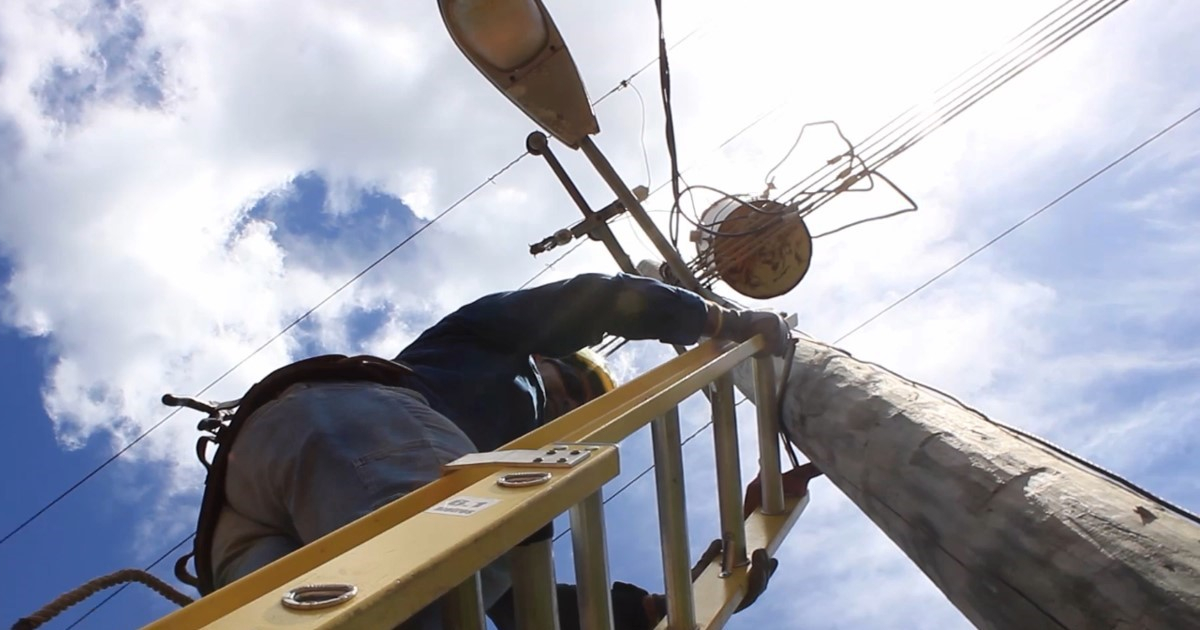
{"points": [[562, 317]]}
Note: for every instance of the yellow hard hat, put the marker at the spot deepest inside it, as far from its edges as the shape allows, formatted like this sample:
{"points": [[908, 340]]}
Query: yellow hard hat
{"points": [[590, 372]]}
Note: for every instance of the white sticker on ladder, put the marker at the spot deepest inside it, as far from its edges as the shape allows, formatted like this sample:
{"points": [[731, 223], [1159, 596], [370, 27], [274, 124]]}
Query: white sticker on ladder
{"points": [[462, 506]]}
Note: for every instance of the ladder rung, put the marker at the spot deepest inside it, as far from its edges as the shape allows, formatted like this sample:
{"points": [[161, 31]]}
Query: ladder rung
{"points": [[534, 594], [767, 407], [672, 519], [591, 563], [463, 606], [729, 474]]}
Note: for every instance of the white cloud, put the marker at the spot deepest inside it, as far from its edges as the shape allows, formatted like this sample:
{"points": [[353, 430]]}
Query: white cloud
{"points": [[133, 256]]}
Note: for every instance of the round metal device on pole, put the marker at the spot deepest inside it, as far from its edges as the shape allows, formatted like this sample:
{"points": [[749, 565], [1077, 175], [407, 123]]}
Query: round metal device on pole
{"points": [[760, 248]]}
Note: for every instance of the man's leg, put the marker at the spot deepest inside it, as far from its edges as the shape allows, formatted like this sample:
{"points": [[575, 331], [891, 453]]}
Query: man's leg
{"points": [[323, 455]]}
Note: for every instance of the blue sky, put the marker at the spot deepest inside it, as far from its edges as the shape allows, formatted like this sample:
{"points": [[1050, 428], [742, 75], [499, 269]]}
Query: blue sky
{"points": [[179, 182]]}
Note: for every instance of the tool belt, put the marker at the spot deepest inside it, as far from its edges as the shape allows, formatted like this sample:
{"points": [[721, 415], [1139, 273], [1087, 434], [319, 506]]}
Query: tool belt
{"points": [[325, 368]]}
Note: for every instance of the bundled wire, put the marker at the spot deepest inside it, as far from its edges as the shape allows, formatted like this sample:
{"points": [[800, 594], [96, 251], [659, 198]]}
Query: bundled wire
{"points": [[664, 79], [845, 170]]}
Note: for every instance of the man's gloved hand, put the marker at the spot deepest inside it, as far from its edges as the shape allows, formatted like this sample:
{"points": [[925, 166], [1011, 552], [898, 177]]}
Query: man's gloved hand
{"points": [[739, 326], [633, 607]]}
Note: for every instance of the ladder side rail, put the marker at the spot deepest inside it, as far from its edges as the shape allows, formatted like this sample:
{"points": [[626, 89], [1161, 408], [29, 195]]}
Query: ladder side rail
{"points": [[415, 562]]}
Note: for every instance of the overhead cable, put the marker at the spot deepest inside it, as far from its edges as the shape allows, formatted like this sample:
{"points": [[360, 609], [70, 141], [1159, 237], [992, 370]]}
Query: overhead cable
{"points": [[73, 487], [1048, 34], [1014, 227]]}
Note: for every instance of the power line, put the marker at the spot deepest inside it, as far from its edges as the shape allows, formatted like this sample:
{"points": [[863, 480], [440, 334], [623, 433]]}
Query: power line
{"points": [[957, 264], [1034, 43], [1045, 36], [874, 317], [1014, 227], [649, 64], [310, 311], [490, 179], [537, 275], [991, 242], [262, 346]]}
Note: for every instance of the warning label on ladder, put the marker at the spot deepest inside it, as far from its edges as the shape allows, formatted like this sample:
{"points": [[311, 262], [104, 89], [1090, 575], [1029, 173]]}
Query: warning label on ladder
{"points": [[462, 506]]}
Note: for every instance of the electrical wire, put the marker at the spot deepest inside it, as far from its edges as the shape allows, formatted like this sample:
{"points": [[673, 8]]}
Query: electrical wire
{"points": [[649, 64], [984, 85], [985, 82], [911, 203], [1024, 43], [1014, 227], [664, 78], [1001, 72], [642, 134], [552, 263], [991, 242], [1031, 45], [627, 82], [37, 514], [957, 264], [262, 346]]}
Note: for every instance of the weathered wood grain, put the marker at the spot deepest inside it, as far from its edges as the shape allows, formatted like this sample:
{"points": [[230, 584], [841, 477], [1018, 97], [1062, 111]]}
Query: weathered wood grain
{"points": [[1015, 533]]}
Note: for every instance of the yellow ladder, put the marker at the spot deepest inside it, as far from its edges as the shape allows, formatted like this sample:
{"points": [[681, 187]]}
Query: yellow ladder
{"points": [[430, 545]]}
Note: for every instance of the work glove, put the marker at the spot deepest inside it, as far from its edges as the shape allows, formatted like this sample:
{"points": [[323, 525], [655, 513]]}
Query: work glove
{"points": [[731, 325], [633, 607]]}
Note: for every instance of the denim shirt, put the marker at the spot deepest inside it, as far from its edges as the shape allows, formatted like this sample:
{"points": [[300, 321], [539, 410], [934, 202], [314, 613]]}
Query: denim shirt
{"points": [[476, 367]]}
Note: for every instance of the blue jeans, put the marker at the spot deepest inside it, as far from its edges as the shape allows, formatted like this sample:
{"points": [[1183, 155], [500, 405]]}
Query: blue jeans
{"points": [[321, 456]]}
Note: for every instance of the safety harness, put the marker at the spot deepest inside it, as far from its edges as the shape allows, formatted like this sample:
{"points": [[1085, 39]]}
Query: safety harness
{"points": [[223, 424], [221, 429]]}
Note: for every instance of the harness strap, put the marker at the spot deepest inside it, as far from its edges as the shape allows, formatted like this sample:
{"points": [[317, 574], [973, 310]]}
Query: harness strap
{"points": [[325, 368]]}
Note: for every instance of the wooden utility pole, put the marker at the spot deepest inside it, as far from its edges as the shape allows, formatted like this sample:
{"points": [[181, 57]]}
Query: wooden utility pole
{"points": [[1015, 532]]}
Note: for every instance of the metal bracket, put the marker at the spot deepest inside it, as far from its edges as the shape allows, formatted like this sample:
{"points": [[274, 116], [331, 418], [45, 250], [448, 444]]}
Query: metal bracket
{"points": [[556, 456], [594, 224]]}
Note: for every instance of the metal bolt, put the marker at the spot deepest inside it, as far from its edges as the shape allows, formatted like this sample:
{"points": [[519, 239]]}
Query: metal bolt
{"points": [[562, 460], [537, 460]]}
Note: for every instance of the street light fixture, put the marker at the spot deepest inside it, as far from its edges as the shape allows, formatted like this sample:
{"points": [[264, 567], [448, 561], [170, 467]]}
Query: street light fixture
{"points": [[516, 45]]}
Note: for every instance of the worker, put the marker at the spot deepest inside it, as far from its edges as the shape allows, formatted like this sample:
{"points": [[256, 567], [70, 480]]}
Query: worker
{"points": [[318, 452]]}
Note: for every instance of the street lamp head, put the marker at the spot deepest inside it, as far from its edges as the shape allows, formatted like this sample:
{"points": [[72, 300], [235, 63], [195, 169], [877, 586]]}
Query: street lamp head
{"points": [[516, 45]]}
